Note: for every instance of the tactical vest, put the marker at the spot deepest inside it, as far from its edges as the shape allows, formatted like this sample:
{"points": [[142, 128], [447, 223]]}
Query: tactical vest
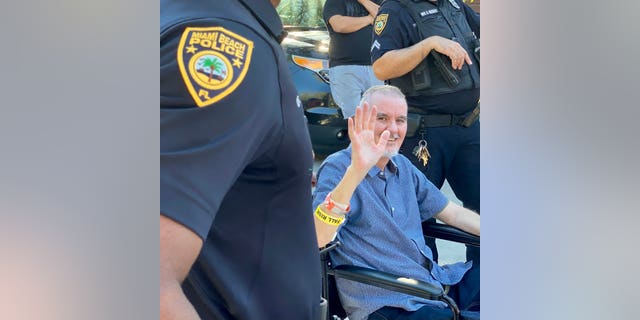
{"points": [[447, 21]]}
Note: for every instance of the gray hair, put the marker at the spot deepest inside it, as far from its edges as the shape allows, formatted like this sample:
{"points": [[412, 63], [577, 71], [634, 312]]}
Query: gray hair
{"points": [[383, 89]]}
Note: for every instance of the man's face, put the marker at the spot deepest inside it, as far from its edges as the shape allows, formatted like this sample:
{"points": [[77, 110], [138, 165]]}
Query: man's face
{"points": [[275, 3], [392, 116]]}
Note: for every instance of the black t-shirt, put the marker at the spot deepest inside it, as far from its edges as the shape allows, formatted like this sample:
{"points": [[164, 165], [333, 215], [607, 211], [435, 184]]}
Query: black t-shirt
{"points": [[236, 161], [398, 32], [348, 48]]}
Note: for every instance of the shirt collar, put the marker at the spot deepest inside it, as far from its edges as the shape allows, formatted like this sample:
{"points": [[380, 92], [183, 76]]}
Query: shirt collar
{"points": [[267, 16], [391, 167]]}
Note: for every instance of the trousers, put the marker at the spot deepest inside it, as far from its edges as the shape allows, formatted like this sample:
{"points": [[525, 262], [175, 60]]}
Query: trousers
{"points": [[466, 294], [348, 83]]}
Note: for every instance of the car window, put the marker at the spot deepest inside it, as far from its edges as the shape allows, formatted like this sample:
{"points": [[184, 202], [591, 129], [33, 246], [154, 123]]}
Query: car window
{"points": [[302, 13]]}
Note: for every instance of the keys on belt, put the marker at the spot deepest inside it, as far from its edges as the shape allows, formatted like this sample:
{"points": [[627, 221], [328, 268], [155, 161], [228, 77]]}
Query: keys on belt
{"points": [[440, 120]]}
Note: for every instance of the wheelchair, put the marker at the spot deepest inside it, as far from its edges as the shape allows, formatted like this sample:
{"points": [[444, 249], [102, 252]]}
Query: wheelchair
{"points": [[386, 280]]}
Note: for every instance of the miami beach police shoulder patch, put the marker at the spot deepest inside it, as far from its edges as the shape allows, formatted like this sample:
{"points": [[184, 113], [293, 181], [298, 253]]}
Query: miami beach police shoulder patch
{"points": [[213, 62], [380, 23]]}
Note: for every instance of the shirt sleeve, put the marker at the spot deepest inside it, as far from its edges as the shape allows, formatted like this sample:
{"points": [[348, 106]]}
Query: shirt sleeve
{"points": [[332, 8], [203, 150], [431, 200], [473, 18], [393, 29], [329, 175]]}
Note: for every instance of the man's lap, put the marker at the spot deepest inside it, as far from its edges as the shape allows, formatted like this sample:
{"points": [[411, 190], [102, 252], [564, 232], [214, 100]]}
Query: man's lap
{"points": [[466, 294]]}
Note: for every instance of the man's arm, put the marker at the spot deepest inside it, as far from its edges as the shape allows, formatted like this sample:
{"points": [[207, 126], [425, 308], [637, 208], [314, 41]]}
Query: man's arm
{"points": [[371, 7], [365, 153], [344, 24], [461, 218], [342, 193], [179, 248], [396, 63]]}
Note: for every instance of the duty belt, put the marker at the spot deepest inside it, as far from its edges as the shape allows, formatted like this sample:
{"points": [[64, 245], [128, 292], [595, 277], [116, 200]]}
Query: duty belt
{"points": [[445, 120]]}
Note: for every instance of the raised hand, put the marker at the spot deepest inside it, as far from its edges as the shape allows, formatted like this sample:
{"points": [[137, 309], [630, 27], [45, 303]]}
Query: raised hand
{"points": [[365, 152]]}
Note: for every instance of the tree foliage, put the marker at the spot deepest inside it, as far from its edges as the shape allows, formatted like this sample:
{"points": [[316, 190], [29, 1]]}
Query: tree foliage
{"points": [[306, 13]]}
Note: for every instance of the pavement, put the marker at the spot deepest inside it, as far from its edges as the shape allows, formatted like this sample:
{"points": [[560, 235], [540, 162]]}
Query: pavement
{"points": [[449, 252]]}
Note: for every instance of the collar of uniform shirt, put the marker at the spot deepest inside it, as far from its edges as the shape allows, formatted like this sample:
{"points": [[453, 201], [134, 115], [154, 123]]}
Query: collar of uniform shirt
{"points": [[268, 17]]}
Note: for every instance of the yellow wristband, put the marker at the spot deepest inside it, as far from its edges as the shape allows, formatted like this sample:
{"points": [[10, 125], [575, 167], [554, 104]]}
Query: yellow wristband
{"points": [[324, 217]]}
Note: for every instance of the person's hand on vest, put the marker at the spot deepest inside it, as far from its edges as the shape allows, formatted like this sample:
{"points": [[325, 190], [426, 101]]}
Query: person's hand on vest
{"points": [[450, 48]]}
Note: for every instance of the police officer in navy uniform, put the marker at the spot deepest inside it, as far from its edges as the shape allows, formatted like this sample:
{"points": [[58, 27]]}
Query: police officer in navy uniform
{"points": [[237, 237], [410, 37]]}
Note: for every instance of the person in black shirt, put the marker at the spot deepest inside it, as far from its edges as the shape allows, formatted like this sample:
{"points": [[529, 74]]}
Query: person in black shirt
{"points": [[237, 236], [349, 24]]}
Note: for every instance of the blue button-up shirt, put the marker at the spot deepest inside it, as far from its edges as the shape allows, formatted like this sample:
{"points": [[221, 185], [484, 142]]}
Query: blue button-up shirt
{"points": [[383, 231]]}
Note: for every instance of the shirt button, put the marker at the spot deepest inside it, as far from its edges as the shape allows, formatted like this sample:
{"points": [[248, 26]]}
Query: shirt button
{"points": [[393, 209]]}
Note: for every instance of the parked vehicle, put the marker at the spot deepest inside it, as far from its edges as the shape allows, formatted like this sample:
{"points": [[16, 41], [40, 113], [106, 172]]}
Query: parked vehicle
{"points": [[307, 47]]}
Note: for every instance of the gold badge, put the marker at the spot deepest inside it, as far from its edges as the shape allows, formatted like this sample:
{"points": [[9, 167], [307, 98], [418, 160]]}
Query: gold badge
{"points": [[380, 23], [213, 62]]}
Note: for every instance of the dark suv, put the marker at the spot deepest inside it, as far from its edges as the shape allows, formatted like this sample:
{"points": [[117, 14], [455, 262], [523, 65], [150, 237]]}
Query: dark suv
{"points": [[307, 47]]}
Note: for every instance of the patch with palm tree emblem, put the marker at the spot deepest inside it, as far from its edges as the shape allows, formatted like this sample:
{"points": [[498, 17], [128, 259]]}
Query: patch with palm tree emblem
{"points": [[380, 23], [213, 62]]}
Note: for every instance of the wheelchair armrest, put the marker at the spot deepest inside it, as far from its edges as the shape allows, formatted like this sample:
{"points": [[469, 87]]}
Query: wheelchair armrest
{"points": [[330, 246], [388, 281], [447, 232]]}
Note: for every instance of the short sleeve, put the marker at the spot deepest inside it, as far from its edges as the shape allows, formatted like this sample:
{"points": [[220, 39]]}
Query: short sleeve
{"points": [[473, 19], [216, 116], [431, 200], [329, 175], [332, 8], [392, 29]]}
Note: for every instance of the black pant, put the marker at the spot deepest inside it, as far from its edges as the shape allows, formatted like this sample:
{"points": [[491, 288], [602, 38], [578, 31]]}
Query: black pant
{"points": [[455, 156]]}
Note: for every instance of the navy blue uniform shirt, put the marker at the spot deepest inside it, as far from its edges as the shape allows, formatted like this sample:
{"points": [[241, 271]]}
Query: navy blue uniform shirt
{"points": [[401, 32], [236, 160]]}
